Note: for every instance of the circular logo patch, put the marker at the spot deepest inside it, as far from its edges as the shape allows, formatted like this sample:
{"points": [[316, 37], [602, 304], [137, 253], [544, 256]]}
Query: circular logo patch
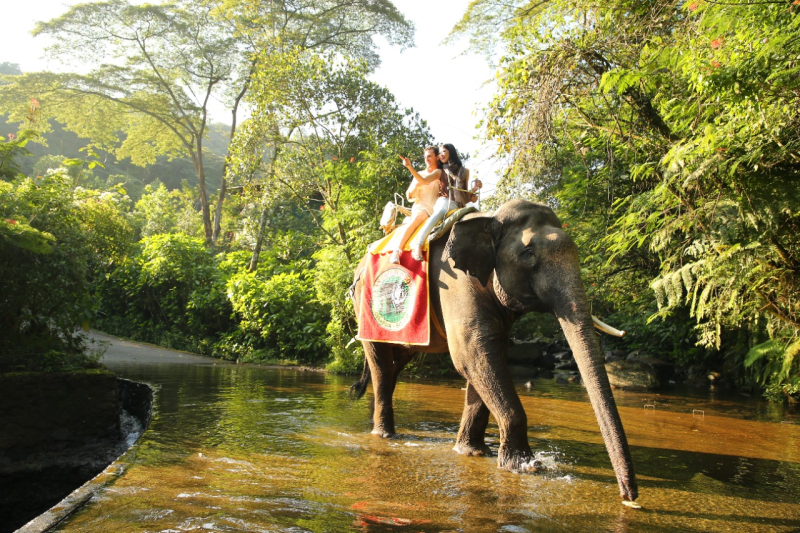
{"points": [[393, 299]]}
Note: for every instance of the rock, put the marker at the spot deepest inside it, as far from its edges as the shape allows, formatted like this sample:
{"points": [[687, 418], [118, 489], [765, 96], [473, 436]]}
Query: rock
{"points": [[524, 353], [665, 371], [563, 356], [637, 354], [633, 375], [567, 365], [574, 379], [545, 363], [611, 358], [546, 374], [561, 380], [522, 372]]}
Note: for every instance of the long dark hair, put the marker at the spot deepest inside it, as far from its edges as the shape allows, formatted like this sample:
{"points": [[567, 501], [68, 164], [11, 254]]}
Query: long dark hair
{"points": [[435, 150], [454, 163]]}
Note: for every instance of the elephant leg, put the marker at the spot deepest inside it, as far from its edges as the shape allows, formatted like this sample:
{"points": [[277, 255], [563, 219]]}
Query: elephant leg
{"points": [[386, 361], [475, 418], [482, 363]]}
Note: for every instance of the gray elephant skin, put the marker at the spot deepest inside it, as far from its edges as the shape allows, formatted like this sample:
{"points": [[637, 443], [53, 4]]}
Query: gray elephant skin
{"points": [[491, 270]]}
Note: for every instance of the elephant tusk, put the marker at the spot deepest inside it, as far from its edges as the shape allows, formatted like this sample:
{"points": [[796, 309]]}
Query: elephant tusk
{"points": [[605, 328]]}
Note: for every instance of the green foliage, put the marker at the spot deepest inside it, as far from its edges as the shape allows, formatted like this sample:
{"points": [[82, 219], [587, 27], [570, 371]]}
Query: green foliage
{"points": [[169, 291], [279, 316], [57, 240], [161, 211], [665, 137], [11, 148]]}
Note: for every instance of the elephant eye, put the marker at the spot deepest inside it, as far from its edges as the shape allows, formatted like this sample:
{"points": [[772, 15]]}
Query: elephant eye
{"points": [[528, 252]]}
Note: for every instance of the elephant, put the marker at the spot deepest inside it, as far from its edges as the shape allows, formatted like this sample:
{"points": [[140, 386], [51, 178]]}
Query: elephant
{"points": [[492, 269]]}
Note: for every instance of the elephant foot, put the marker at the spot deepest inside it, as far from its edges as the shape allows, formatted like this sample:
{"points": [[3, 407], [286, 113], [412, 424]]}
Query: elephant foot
{"points": [[480, 450], [383, 433], [518, 461]]}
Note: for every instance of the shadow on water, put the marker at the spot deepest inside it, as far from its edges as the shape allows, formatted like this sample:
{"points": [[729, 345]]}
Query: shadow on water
{"points": [[252, 449]]}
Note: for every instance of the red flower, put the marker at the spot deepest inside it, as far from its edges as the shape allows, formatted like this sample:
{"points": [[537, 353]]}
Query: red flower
{"points": [[693, 6], [796, 3], [335, 158], [716, 64], [11, 136], [322, 207], [353, 158], [34, 103], [716, 43], [10, 221]]}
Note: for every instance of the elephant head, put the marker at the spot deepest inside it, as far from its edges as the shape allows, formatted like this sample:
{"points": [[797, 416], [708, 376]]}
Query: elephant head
{"points": [[525, 261]]}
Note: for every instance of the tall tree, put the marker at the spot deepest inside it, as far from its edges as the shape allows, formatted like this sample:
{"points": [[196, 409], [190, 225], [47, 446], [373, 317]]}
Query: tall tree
{"points": [[157, 69]]}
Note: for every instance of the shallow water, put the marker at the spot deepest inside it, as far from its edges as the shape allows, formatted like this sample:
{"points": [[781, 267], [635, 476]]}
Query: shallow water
{"points": [[256, 449]]}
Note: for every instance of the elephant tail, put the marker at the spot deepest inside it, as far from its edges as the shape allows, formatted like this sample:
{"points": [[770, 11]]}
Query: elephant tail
{"points": [[358, 388]]}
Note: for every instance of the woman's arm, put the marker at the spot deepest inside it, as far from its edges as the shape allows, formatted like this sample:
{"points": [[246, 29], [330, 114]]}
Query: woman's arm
{"points": [[433, 176], [472, 196]]}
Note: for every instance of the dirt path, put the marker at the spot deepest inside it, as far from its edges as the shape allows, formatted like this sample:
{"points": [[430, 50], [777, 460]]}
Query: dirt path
{"points": [[123, 350]]}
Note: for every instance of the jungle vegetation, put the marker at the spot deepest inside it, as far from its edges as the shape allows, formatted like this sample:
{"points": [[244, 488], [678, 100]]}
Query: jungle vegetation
{"points": [[665, 134]]}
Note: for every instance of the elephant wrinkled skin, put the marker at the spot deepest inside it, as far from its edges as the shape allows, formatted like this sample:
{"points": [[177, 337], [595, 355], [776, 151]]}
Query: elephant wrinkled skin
{"points": [[491, 270]]}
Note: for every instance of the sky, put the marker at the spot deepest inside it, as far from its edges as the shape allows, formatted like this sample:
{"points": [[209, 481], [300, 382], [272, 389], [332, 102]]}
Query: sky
{"points": [[415, 75]]}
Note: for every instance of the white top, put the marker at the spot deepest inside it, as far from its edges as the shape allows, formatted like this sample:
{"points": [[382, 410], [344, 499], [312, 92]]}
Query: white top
{"points": [[424, 195]]}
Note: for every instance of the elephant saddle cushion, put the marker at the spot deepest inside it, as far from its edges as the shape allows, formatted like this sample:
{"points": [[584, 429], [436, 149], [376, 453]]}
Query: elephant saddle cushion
{"points": [[395, 306]]}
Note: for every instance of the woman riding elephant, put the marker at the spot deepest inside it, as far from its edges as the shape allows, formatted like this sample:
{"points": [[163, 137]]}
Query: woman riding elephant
{"points": [[453, 194], [423, 191]]}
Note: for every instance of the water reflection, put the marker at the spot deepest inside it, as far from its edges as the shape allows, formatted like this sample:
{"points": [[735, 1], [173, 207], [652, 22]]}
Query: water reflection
{"points": [[255, 449]]}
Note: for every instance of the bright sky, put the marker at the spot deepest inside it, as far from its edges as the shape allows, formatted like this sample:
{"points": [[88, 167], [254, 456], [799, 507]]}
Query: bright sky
{"points": [[422, 77]]}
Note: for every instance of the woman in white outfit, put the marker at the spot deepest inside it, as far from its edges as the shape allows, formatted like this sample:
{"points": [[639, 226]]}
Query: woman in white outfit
{"points": [[423, 191], [453, 194]]}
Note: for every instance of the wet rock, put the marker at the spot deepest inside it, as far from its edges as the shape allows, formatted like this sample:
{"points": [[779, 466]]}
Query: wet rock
{"points": [[562, 380], [523, 372], [610, 358], [633, 375], [563, 356], [524, 353], [567, 365], [546, 374], [665, 370], [697, 376], [545, 363]]}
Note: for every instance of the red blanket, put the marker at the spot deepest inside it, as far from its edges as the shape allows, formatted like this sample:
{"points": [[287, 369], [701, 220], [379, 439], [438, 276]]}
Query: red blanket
{"points": [[394, 302]]}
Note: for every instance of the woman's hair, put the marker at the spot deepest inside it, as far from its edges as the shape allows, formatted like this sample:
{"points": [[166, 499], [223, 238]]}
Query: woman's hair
{"points": [[454, 163], [435, 150]]}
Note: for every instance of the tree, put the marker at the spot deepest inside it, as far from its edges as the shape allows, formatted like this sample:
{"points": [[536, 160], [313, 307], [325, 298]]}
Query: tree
{"points": [[665, 134], [10, 68], [156, 68], [325, 138]]}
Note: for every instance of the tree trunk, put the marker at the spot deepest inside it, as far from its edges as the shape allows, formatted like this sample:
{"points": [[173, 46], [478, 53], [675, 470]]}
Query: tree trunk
{"points": [[201, 179], [224, 188], [262, 227]]}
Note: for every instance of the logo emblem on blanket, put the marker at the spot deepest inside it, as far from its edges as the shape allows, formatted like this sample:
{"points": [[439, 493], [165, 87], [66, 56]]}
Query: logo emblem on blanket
{"points": [[393, 297]]}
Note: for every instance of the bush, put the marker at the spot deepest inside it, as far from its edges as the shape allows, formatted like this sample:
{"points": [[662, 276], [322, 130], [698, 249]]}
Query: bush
{"points": [[170, 292], [54, 240], [280, 318]]}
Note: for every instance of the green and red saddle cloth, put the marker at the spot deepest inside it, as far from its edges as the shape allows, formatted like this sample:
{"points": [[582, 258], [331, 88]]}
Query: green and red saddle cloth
{"points": [[395, 301]]}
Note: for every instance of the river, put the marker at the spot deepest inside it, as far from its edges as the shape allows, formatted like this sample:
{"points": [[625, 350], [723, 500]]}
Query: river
{"points": [[248, 448]]}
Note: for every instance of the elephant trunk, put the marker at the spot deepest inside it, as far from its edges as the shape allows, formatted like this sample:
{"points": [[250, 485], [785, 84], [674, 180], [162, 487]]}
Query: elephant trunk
{"points": [[576, 322]]}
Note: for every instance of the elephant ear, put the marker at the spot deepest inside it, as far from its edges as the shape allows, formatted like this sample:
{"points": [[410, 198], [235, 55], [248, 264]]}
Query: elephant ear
{"points": [[472, 244]]}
